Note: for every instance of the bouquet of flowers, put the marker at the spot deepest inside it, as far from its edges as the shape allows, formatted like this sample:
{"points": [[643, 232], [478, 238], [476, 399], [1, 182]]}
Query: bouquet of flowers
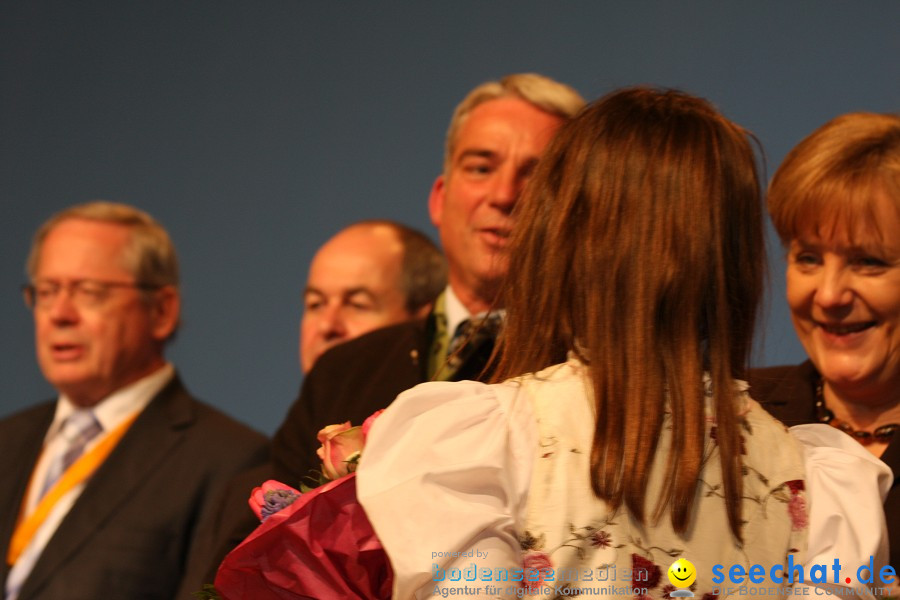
{"points": [[316, 543]]}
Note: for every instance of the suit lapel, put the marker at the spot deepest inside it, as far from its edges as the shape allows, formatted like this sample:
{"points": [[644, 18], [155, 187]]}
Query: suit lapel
{"points": [[21, 449], [421, 344], [156, 432]]}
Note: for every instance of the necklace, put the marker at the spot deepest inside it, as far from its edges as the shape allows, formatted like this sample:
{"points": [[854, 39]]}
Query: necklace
{"points": [[881, 434]]}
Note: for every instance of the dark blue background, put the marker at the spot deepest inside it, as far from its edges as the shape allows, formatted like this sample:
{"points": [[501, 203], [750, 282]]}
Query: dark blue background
{"points": [[254, 130]]}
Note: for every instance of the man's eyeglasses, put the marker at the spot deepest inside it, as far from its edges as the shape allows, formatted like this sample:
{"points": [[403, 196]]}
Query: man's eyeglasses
{"points": [[85, 293]]}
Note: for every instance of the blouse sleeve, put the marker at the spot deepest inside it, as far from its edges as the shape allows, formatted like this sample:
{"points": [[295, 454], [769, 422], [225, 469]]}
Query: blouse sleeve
{"points": [[444, 479], [846, 487]]}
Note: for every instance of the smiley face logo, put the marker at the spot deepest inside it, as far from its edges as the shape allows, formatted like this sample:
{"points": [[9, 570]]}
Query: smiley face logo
{"points": [[682, 573]]}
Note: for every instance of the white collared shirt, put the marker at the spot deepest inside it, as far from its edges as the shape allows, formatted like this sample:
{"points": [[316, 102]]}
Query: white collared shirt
{"points": [[455, 311]]}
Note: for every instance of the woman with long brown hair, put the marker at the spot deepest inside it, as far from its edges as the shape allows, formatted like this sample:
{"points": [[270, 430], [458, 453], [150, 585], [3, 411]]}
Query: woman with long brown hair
{"points": [[619, 436]]}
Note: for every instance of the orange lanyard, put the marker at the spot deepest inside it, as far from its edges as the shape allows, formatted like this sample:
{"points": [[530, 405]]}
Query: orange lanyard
{"points": [[77, 473]]}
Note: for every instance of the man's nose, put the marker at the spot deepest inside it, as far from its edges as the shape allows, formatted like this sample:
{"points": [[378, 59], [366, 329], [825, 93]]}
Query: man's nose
{"points": [[63, 309], [331, 323], [507, 188]]}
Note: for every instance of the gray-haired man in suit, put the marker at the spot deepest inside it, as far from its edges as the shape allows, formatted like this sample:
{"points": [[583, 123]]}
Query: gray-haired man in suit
{"points": [[105, 490], [496, 136]]}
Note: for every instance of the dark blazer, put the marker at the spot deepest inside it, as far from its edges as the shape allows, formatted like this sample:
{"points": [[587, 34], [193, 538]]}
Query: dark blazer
{"points": [[353, 380], [789, 394], [133, 531]]}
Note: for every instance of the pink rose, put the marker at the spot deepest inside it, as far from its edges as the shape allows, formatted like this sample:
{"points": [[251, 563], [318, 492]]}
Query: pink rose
{"points": [[341, 448], [271, 497], [367, 424], [332, 430]]}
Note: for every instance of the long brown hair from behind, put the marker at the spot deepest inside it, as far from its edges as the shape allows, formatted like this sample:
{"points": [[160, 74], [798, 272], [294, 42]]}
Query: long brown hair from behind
{"points": [[639, 247]]}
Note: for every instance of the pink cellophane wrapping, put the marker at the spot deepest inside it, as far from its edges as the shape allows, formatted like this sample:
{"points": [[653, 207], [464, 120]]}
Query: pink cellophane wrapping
{"points": [[322, 546]]}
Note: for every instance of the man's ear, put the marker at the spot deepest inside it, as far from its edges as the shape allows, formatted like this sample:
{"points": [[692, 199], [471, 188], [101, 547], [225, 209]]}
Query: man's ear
{"points": [[436, 201], [166, 309]]}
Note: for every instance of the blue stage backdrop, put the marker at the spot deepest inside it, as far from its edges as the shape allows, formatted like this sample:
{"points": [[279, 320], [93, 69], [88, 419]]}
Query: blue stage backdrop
{"points": [[255, 129]]}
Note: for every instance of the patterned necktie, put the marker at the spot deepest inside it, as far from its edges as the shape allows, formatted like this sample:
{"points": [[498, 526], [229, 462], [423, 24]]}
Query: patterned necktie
{"points": [[470, 335], [78, 430]]}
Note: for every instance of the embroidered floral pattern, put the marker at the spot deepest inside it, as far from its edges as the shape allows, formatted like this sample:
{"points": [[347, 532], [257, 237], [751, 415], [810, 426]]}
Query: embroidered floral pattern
{"points": [[795, 486], [529, 542], [538, 567], [790, 493], [645, 574], [797, 505], [797, 511], [591, 546], [579, 540], [713, 431], [601, 539]]}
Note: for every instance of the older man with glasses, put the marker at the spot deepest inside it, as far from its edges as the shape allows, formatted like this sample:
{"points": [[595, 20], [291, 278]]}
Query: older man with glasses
{"points": [[106, 490]]}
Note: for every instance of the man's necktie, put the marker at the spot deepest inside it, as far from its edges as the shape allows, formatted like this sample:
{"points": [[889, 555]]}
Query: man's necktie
{"points": [[471, 335], [77, 430]]}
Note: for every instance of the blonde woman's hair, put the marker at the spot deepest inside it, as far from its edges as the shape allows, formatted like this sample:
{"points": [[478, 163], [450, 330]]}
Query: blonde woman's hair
{"points": [[830, 177]]}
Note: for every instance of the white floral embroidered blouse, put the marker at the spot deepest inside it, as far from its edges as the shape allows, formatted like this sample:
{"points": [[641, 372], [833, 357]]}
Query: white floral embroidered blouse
{"points": [[483, 491]]}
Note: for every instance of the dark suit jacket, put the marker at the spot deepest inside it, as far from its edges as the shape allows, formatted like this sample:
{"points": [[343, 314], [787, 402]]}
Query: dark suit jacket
{"points": [[353, 380], [133, 531], [789, 394]]}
